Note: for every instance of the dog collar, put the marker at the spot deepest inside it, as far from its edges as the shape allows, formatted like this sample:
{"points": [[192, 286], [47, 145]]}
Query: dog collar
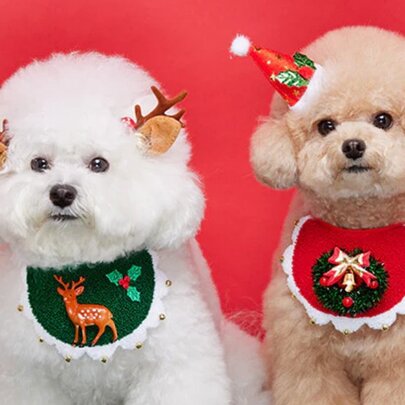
{"points": [[349, 277], [95, 308]]}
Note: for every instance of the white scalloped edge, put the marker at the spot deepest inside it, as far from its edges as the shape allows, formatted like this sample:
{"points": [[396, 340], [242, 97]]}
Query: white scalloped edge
{"points": [[341, 323], [105, 352]]}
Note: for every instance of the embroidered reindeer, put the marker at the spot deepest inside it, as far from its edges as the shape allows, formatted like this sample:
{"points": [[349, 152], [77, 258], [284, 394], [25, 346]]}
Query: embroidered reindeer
{"points": [[83, 315]]}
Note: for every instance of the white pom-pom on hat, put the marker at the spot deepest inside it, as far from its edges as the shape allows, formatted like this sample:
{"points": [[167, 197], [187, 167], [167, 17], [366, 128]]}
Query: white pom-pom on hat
{"points": [[240, 45]]}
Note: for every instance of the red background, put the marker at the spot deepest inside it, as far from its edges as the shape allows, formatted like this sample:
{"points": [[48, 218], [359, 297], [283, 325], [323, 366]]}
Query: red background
{"points": [[184, 44]]}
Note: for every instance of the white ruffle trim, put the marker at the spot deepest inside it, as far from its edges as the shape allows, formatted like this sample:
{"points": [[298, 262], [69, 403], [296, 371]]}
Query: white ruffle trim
{"points": [[315, 86], [104, 352], [341, 323]]}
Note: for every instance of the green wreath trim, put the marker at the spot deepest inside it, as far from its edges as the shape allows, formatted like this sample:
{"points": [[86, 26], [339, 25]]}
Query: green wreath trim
{"points": [[364, 298]]}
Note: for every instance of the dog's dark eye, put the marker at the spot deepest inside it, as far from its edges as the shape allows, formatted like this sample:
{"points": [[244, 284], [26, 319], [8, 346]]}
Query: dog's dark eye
{"points": [[383, 120], [99, 165], [326, 126], [40, 164]]}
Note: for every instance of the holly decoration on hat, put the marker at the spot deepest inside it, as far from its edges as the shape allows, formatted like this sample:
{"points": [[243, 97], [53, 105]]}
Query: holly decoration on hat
{"points": [[127, 281], [291, 78], [349, 283], [302, 60], [299, 72]]}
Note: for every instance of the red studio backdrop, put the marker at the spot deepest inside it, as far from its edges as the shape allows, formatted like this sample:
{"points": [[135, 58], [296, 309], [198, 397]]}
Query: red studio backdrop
{"points": [[184, 44]]}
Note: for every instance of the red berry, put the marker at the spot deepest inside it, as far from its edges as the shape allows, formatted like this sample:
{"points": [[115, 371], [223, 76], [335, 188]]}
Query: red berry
{"points": [[347, 302], [124, 282], [374, 284], [323, 281]]}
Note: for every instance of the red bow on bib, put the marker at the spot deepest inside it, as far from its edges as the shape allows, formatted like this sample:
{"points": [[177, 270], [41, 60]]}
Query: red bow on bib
{"points": [[349, 271]]}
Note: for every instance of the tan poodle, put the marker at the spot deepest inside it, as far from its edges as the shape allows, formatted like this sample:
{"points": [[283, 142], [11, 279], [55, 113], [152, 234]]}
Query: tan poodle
{"points": [[333, 334]]}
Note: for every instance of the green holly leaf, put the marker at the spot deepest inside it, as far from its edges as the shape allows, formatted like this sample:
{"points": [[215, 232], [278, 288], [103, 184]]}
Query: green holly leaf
{"points": [[114, 277], [134, 272], [134, 294], [303, 60], [292, 79]]}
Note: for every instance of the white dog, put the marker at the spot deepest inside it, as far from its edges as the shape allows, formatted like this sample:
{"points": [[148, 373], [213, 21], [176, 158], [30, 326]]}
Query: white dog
{"points": [[98, 216]]}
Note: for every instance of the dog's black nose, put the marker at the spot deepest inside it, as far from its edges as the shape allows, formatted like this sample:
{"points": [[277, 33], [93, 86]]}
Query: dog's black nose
{"points": [[354, 148], [62, 195]]}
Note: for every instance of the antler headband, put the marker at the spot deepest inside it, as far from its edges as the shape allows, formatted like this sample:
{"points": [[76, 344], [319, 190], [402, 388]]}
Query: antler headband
{"points": [[158, 129]]}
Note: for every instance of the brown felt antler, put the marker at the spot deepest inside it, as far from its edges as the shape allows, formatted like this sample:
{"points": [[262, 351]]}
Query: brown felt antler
{"points": [[163, 105], [158, 129]]}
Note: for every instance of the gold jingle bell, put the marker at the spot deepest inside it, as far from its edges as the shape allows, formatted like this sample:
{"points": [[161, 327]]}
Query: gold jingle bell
{"points": [[349, 282]]}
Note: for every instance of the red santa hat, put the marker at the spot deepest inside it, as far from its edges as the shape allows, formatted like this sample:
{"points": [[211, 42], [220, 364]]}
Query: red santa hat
{"points": [[291, 76]]}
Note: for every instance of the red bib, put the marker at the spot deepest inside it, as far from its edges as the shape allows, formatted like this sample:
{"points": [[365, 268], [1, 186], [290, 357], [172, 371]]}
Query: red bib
{"points": [[313, 238]]}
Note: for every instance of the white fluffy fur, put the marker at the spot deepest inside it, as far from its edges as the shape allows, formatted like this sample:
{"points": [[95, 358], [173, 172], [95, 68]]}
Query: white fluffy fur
{"points": [[68, 109]]}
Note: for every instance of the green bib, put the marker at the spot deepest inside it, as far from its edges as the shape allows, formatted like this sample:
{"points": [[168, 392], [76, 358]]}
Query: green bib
{"points": [[94, 308]]}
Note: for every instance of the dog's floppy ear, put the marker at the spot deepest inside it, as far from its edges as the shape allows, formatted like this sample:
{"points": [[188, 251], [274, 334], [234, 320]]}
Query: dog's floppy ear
{"points": [[272, 153], [157, 130]]}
